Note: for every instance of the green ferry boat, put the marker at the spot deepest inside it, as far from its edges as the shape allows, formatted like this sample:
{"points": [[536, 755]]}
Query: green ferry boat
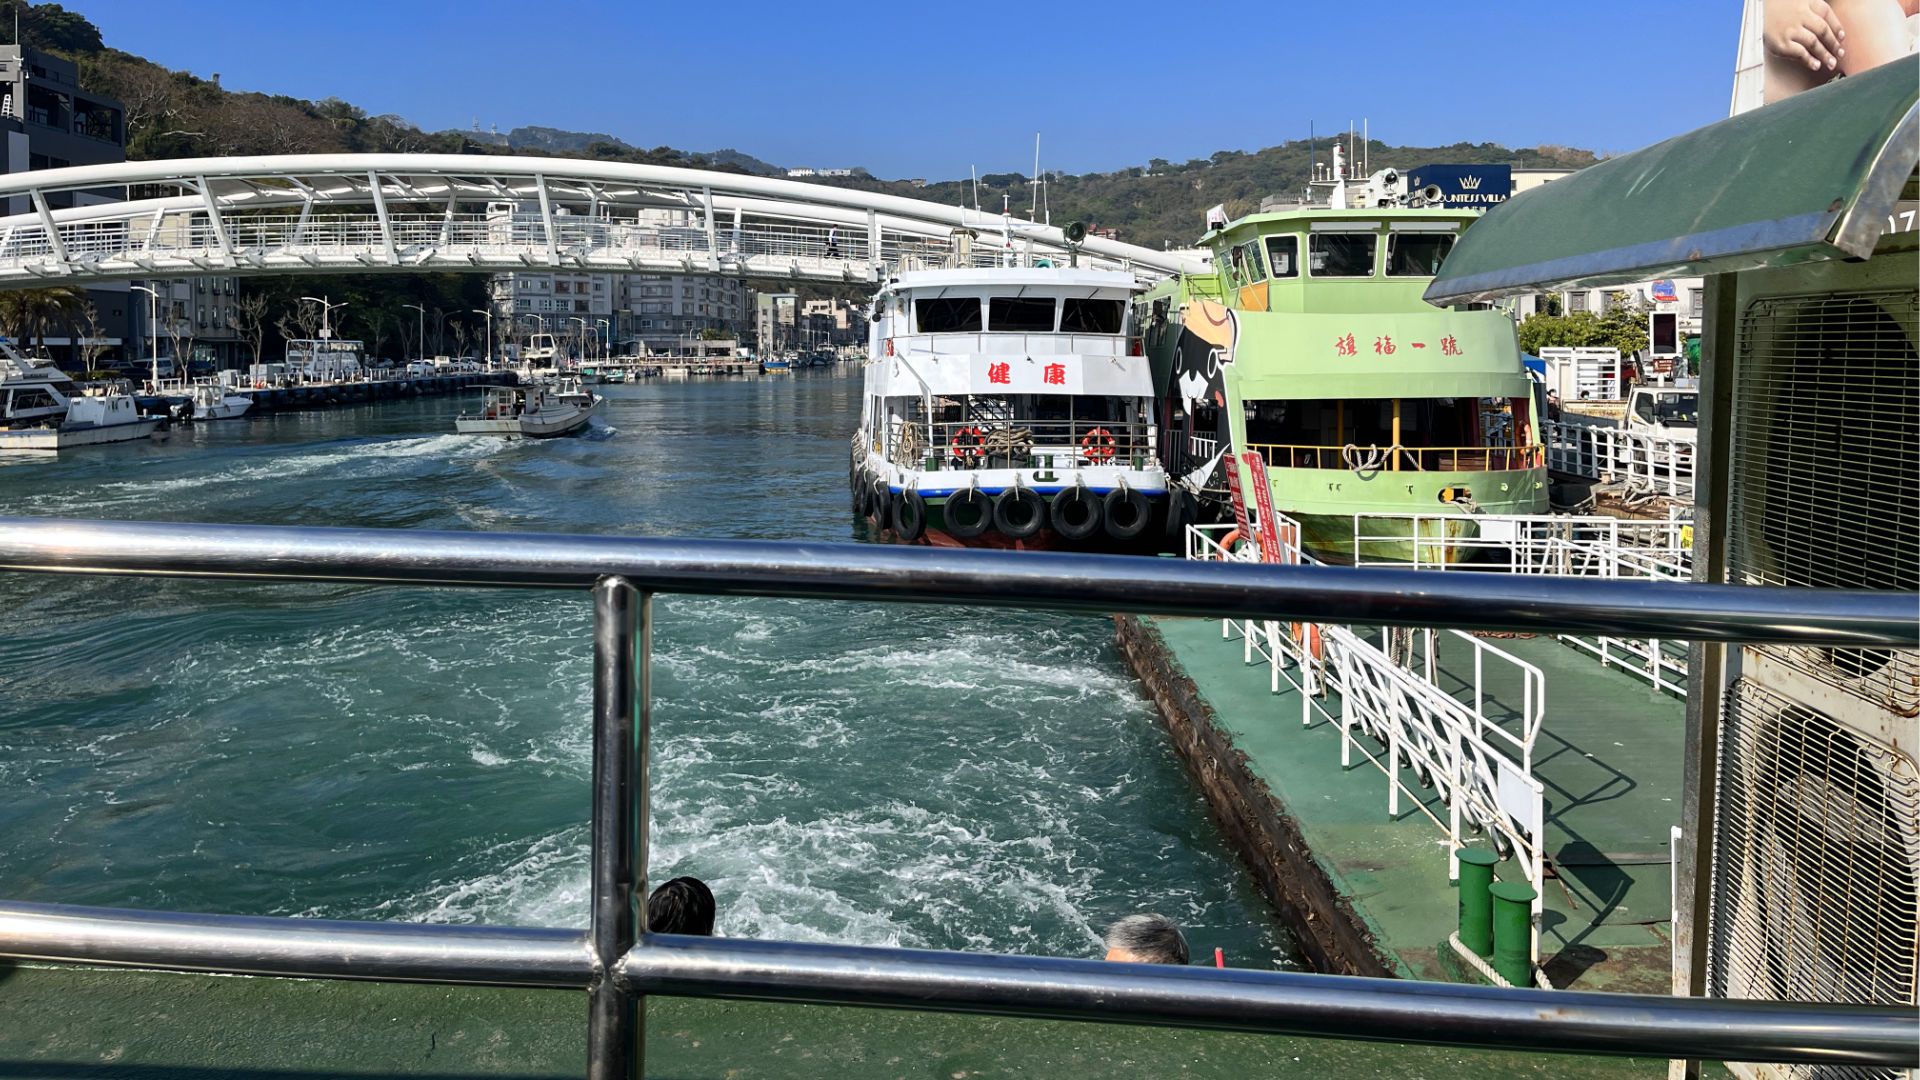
{"points": [[1310, 346]]}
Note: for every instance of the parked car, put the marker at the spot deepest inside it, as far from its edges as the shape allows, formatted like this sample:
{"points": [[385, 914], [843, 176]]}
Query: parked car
{"points": [[422, 367]]}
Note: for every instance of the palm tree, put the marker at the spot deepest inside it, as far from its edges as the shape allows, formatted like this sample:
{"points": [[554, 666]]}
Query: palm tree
{"points": [[25, 314]]}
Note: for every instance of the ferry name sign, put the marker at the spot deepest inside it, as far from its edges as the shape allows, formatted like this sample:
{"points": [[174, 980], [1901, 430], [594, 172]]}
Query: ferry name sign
{"points": [[994, 375]]}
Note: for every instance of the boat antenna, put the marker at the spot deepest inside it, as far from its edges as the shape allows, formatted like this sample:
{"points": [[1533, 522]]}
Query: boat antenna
{"points": [[1366, 148], [1033, 211], [975, 169]]}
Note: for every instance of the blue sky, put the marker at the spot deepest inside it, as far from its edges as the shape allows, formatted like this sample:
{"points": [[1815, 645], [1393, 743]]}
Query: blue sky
{"points": [[903, 91]]}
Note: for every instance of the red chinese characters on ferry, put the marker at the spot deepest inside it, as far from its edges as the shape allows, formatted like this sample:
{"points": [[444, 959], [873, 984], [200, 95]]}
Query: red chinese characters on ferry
{"points": [[1054, 375], [1344, 346], [1449, 346], [1383, 345], [999, 373]]}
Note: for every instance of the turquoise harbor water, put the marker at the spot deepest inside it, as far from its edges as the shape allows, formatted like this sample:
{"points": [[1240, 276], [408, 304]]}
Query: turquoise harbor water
{"points": [[923, 777]]}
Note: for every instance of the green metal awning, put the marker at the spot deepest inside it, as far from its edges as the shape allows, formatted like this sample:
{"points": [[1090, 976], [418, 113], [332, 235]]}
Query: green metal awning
{"points": [[1811, 177]]}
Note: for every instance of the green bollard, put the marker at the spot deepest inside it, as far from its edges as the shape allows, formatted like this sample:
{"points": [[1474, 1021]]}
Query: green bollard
{"points": [[1513, 932], [1476, 903]]}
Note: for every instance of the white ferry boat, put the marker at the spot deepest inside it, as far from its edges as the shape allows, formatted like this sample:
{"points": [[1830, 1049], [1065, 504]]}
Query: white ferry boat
{"points": [[212, 401], [533, 411], [1004, 407], [41, 409]]}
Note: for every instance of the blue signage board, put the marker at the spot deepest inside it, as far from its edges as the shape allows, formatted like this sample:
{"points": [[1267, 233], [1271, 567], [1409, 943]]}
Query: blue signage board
{"points": [[1475, 187]]}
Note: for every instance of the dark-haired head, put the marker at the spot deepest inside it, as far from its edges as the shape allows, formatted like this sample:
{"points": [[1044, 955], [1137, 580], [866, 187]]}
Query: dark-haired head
{"points": [[681, 906]]}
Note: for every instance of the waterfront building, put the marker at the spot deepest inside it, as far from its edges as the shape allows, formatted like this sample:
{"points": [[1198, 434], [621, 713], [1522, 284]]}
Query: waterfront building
{"points": [[776, 318], [50, 122]]}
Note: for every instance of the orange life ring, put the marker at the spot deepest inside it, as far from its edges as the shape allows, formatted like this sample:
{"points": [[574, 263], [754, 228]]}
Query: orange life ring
{"points": [[1097, 445], [1308, 637], [1227, 541], [967, 443]]}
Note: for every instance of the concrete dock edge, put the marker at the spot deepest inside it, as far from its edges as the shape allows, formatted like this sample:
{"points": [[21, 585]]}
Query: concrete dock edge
{"points": [[1332, 937]]}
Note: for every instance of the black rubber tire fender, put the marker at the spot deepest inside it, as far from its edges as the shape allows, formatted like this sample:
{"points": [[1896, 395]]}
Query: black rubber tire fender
{"points": [[969, 513], [1127, 514], [1018, 513], [909, 515], [1076, 513]]}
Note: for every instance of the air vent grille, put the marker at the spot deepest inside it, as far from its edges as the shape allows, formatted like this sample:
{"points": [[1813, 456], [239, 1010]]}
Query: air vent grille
{"points": [[1816, 871], [1826, 466]]}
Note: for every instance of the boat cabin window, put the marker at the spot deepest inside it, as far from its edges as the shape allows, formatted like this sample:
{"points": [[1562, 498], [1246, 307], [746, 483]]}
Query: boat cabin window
{"points": [[32, 399], [1416, 254], [1247, 255], [1334, 254], [1086, 316], [1294, 428], [1283, 256], [947, 315], [1016, 314]]}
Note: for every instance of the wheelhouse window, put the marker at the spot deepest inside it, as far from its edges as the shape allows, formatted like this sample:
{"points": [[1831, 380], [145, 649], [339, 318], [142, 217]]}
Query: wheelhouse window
{"points": [[1283, 256], [1248, 255], [1335, 254], [1020, 314], [1082, 316], [947, 315], [1416, 254]]}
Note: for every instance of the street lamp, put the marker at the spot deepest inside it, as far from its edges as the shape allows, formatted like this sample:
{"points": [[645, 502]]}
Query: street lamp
{"points": [[582, 322], [153, 331], [326, 315], [489, 340], [606, 339], [422, 309]]}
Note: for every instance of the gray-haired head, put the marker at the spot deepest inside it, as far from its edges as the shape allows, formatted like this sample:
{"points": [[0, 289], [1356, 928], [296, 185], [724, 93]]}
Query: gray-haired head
{"points": [[1146, 939]]}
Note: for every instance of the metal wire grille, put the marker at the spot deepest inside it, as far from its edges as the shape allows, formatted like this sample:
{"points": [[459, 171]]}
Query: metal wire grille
{"points": [[1816, 870], [1826, 466]]}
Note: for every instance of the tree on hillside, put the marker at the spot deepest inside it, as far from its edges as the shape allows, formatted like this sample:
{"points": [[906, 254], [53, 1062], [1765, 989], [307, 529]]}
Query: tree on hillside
{"points": [[49, 26]]}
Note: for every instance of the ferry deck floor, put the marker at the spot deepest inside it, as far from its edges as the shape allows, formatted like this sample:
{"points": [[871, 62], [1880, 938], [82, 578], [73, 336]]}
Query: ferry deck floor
{"points": [[1609, 755], [98, 1024]]}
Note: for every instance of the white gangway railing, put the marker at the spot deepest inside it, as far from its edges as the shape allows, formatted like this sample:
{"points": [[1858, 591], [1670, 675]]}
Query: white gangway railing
{"points": [[1658, 549], [1400, 720], [1647, 464]]}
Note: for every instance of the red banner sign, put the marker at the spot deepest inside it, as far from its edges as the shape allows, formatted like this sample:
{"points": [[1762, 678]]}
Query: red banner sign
{"points": [[1263, 498]]}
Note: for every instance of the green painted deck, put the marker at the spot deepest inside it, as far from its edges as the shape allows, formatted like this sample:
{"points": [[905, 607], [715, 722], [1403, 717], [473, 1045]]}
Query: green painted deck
{"points": [[1610, 756], [69, 1024]]}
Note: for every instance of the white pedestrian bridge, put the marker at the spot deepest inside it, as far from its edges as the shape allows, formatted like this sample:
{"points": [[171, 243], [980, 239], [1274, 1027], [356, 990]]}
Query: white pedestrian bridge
{"points": [[363, 213]]}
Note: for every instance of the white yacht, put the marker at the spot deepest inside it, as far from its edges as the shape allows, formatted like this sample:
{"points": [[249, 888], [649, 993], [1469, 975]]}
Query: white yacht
{"points": [[42, 409], [533, 411], [1007, 407], [212, 401]]}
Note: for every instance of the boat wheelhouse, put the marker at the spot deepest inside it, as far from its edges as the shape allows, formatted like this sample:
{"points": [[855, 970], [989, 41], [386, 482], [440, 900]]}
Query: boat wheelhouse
{"points": [[1004, 407], [1310, 347], [534, 410]]}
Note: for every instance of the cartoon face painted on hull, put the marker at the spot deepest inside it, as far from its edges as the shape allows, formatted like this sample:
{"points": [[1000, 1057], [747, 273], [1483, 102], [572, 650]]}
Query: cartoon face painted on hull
{"points": [[1209, 330]]}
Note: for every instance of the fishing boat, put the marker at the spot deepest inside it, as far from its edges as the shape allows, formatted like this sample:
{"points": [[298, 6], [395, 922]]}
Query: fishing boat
{"points": [[212, 401], [532, 411], [42, 409], [1308, 363], [1005, 408]]}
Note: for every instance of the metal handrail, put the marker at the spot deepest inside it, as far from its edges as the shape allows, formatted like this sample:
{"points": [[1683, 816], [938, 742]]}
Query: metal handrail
{"points": [[1089, 584], [1403, 458], [619, 963]]}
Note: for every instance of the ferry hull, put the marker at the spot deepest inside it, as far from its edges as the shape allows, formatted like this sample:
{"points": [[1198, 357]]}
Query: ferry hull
{"points": [[1327, 517]]}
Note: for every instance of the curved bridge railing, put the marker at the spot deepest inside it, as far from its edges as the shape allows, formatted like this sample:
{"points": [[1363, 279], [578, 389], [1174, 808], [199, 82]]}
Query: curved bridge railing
{"points": [[483, 213]]}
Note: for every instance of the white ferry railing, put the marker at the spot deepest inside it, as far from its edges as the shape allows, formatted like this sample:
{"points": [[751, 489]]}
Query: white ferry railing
{"points": [[1202, 447], [1001, 444], [1548, 544], [618, 962], [1481, 771], [1648, 464]]}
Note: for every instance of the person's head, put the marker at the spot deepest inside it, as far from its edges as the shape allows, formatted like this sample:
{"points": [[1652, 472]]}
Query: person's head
{"points": [[1146, 939], [681, 906]]}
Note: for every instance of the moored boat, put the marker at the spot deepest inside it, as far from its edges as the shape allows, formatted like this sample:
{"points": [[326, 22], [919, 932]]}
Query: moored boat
{"points": [[1005, 408], [42, 409], [1308, 361]]}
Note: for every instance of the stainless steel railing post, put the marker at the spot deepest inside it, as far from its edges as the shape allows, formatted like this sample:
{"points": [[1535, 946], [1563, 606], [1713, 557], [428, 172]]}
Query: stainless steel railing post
{"points": [[616, 1033]]}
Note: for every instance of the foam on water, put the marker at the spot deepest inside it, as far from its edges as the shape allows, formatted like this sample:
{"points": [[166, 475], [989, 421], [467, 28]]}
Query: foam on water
{"points": [[861, 773]]}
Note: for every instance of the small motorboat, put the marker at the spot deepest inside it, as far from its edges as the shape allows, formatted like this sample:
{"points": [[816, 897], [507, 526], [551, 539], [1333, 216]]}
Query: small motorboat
{"points": [[534, 411]]}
